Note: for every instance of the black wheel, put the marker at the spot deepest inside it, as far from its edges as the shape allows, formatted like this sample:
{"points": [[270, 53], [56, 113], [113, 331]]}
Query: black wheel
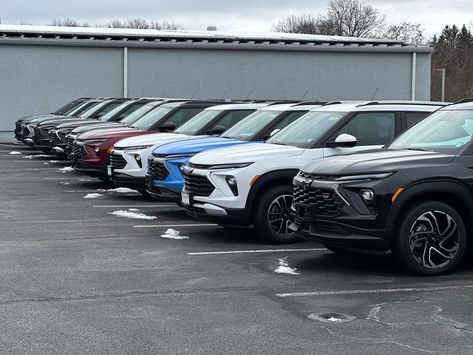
{"points": [[431, 239], [273, 215]]}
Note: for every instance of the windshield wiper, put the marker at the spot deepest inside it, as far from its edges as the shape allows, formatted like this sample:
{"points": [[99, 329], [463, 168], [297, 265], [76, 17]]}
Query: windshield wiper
{"points": [[278, 143], [419, 149]]}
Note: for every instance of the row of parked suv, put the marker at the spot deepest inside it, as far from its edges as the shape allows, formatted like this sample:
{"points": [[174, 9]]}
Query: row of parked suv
{"points": [[354, 176]]}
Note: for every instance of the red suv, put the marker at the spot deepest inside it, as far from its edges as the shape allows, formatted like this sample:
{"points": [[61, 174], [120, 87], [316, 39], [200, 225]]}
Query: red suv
{"points": [[92, 149]]}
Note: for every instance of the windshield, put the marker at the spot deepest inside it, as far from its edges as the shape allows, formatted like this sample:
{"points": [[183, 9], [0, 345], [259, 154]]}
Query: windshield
{"points": [[250, 126], [135, 116], [201, 120], [109, 113], [151, 117], [69, 107], [99, 108], [307, 129], [443, 131]]}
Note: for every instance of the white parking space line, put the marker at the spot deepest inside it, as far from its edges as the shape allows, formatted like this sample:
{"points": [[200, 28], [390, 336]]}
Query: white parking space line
{"points": [[174, 225], [62, 178], [136, 206], [257, 251], [374, 291]]}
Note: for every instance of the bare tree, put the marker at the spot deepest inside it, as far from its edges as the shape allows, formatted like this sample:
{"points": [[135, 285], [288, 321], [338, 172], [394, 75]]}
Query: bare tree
{"points": [[143, 24], [408, 32], [352, 18], [68, 22]]}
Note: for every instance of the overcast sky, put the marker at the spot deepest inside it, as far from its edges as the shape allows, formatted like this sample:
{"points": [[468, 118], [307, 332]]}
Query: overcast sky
{"points": [[238, 15]]}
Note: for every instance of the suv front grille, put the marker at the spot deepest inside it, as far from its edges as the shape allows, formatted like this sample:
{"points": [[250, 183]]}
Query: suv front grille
{"points": [[323, 202], [70, 144], [117, 161], [79, 152], [198, 185], [318, 177], [157, 170], [54, 139]]}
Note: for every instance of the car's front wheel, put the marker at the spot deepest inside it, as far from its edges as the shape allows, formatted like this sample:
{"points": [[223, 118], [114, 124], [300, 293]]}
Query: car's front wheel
{"points": [[431, 239], [273, 215]]}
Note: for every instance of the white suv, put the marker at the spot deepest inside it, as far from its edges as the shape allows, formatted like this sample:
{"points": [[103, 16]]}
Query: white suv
{"points": [[129, 157], [251, 184]]}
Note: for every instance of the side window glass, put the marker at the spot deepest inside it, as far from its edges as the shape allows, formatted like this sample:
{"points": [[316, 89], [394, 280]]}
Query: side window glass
{"points": [[286, 121], [373, 128], [232, 118], [182, 116], [414, 117]]}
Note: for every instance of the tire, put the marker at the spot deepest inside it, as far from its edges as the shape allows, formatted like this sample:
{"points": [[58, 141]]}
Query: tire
{"points": [[273, 215], [431, 239]]}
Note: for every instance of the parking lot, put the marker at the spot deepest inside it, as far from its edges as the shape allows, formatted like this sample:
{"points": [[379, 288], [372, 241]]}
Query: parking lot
{"points": [[77, 278]]}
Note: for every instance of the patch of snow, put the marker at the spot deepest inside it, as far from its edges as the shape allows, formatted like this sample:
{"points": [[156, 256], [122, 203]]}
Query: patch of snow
{"points": [[28, 157], [123, 190], [15, 153], [93, 195], [131, 214], [65, 183], [173, 234], [85, 180], [284, 268], [55, 161], [133, 209], [45, 163], [66, 169]]}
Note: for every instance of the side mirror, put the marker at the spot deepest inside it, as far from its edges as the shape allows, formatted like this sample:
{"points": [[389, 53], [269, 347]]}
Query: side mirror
{"points": [[167, 127], [119, 118], [267, 136], [216, 130], [343, 141]]}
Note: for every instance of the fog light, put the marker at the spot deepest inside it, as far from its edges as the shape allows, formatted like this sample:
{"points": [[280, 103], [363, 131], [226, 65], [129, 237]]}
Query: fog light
{"points": [[97, 150], [232, 184], [182, 168], [138, 159], [368, 195]]}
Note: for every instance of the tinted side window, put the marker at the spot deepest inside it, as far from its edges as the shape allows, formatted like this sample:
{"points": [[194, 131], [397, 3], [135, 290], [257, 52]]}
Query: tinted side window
{"points": [[183, 115], [232, 118], [414, 117], [373, 128], [286, 121]]}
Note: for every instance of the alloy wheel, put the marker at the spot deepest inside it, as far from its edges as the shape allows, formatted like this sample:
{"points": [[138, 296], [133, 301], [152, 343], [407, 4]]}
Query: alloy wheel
{"points": [[434, 239], [280, 215]]}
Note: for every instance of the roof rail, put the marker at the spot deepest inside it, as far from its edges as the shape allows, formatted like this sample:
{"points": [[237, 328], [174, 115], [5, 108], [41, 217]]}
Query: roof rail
{"points": [[281, 102], [407, 102], [463, 101], [304, 103], [332, 103]]}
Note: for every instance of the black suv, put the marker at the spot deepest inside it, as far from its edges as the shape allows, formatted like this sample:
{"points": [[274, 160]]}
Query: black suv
{"points": [[414, 197]]}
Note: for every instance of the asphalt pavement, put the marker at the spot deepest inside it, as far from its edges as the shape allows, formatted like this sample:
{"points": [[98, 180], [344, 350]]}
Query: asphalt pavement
{"points": [[78, 275]]}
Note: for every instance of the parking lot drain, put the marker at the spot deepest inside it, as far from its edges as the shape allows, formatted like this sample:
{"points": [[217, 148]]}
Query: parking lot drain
{"points": [[331, 317]]}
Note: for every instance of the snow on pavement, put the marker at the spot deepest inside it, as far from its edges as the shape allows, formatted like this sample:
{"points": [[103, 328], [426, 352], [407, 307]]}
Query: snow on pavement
{"points": [[131, 214], [284, 268], [15, 153], [93, 195], [66, 169], [173, 234]]}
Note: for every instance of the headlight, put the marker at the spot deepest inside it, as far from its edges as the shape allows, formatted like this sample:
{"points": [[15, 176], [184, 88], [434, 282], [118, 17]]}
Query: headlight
{"points": [[137, 147], [364, 177], [229, 166], [95, 141]]}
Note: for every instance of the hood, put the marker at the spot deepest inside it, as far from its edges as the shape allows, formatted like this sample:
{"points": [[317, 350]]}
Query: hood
{"points": [[78, 123], [148, 139], [38, 120], [36, 117], [56, 122], [244, 153], [97, 125], [110, 133], [377, 161], [194, 146]]}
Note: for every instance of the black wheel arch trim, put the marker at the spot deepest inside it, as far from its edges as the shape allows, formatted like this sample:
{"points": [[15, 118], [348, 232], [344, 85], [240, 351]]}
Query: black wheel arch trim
{"points": [[264, 180], [449, 186]]}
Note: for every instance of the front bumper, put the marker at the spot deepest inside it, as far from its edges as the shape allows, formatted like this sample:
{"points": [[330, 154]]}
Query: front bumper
{"points": [[132, 182], [91, 170]]}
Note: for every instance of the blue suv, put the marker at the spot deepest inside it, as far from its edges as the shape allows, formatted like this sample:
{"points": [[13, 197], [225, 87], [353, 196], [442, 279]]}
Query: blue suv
{"points": [[165, 179]]}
